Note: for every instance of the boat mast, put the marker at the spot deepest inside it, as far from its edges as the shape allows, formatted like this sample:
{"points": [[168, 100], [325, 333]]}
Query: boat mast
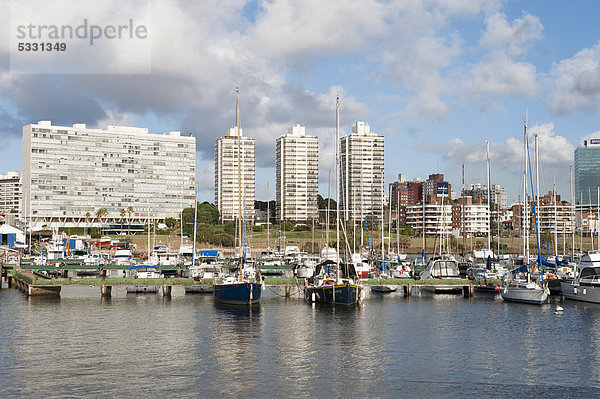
{"points": [[397, 223], [463, 213], [195, 217], [489, 241], [268, 218], [526, 198], [537, 188], [572, 215], [337, 198], [555, 220], [598, 219], [327, 216], [389, 218], [239, 167]]}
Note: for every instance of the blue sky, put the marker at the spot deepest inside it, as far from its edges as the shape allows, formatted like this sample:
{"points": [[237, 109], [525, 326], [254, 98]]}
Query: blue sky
{"points": [[437, 78]]}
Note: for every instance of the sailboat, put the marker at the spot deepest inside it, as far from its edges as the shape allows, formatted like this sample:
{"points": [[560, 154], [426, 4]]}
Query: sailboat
{"points": [[331, 284], [241, 288], [527, 291]]}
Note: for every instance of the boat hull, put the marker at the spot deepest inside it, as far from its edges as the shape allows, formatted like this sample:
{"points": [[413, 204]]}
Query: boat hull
{"points": [[343, 294], [238, 293], [577, 292], [383, 288], [442, 289], [525, 295]]}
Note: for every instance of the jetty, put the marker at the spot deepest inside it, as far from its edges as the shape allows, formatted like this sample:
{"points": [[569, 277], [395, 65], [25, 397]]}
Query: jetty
{"points": [[36, 283]]}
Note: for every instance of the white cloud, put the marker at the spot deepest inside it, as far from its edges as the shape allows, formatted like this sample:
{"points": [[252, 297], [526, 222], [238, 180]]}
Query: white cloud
{"points": [[576, 82], [499, 75], [294, 29], [500, 72], [553, 149], [513, 38]]}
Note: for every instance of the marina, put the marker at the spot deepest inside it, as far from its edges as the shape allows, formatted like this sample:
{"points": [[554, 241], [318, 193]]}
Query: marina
{"points": [[428, 346]]}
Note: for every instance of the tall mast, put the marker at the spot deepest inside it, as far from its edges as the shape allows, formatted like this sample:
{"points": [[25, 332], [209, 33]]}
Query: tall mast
{"points": [[555, 220], [489, 242], [463, 212], [572, 215], [239, 165], [195, 217], [526, 197], [327, 216], [337, 197], [268, 218], [537, 184], [598, 219]]}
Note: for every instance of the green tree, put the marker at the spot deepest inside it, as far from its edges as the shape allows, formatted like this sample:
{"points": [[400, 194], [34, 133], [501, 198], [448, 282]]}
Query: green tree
{"points": [[170, 222], [129, 212], [122, 213]]}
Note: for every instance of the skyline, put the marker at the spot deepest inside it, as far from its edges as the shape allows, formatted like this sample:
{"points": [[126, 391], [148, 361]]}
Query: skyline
{"points": [[442, 76]]}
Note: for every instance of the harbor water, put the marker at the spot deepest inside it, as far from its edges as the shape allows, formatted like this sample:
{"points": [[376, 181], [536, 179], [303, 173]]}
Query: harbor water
{"points": [[130, 345]]}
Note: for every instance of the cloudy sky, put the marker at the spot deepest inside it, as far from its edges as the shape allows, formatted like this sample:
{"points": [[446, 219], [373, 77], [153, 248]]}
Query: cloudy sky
{"points": [[437, 78]]}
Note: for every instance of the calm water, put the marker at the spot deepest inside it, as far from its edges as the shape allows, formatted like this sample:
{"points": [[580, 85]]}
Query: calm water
{"points": [[147, 346]]}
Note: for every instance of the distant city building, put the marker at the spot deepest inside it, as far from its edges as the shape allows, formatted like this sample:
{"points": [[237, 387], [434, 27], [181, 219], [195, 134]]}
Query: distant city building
{"points": [[475, 215], [587, 177], [497, 194], [70, 172], [438, 218], [361, 174], [436, 187], [297, 175], [227, 175], [404, 193], [10, 195]]}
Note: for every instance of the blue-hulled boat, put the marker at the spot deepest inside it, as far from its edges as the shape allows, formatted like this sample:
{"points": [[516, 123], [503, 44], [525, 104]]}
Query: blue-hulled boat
{"points": [[238, 292], [343, 293], [245, 288], [329, 286]]}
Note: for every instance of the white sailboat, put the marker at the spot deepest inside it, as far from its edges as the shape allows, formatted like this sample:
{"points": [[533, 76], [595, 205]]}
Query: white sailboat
{"points": [[525, 290]]}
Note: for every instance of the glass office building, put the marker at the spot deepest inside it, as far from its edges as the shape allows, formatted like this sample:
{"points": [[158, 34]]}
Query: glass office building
{"points": [[587, 172]]}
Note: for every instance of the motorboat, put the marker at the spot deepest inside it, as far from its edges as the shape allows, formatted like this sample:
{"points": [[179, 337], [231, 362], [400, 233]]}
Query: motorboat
{"points": [[306, 267], [525, 291], [145, 271], [123, 257], [444, 267], [586, 285]]}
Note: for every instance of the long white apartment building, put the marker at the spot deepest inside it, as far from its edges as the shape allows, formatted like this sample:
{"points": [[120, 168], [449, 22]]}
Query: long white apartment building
{"points": [[297, 175], [473, 219], [70, 172], [438, 218], [10, 195], [559, 219], [361, 173], [229, 179]]}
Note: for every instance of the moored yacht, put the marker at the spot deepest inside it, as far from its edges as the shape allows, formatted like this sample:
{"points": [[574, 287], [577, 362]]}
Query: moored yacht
{"points": [[586, 285]]}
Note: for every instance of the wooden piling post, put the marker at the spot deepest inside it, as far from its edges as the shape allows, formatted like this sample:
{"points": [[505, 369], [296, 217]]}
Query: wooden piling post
{"points": [[288, 290], [166, 290], [407, 290], [468, 291], [105, 291]]}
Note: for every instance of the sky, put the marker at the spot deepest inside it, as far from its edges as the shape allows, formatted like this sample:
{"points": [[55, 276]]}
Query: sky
{"points": [[436, 78]]}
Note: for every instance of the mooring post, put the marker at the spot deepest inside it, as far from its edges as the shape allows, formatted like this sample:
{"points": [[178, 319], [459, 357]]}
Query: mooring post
{"points": [[468, 291], [64, 273], [166, 290], [288, 290], [407, 290], [105, 291]]}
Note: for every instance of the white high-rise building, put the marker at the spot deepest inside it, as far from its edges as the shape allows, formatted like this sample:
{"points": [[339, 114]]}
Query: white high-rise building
{"points": [[297, 175], [70, 172], [361, 173], [10, 194], [229, 178]]}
